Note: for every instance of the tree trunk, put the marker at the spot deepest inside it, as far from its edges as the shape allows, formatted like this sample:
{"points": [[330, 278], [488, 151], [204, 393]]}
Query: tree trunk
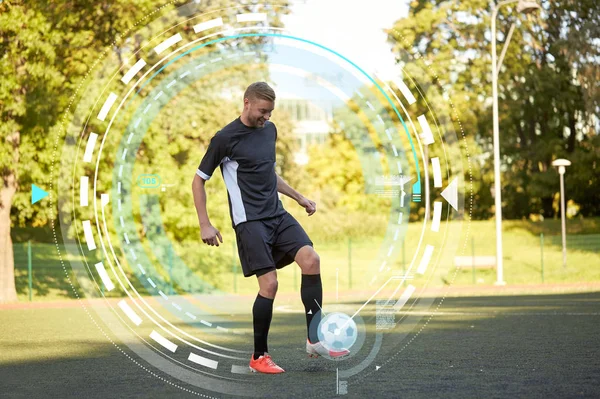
{"points": [[8, 293], [547, 209], [573, 133]]}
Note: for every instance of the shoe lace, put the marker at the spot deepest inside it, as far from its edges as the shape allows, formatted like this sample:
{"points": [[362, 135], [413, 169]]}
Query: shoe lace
{"points": [[269, 361]]}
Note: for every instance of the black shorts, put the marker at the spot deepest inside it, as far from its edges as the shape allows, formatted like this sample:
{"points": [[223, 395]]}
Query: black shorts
{"points": [[269, 244]]}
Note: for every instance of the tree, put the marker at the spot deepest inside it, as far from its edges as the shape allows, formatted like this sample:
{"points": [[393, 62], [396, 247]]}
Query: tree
{"points": [[548, 93], [28, 102], [48, 49]]}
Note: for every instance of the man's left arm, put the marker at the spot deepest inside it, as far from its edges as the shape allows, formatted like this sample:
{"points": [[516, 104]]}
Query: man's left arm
{"points": [[284, 188]]}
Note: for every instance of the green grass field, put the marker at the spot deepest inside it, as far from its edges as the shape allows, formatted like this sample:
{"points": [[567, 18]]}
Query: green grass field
{"points": [[486, 344], [518, 346], [343, 261]]}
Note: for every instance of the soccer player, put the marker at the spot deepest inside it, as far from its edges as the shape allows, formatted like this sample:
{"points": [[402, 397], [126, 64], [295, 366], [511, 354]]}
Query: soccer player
{"points": [[268, 237]]}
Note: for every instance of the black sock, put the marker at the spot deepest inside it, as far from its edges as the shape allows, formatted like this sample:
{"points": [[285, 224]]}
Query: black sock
{"points": [[311, 292], [262, 313]]}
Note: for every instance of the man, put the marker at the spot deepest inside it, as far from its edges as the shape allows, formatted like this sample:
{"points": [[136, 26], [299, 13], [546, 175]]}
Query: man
{"points": [[268, 237]]}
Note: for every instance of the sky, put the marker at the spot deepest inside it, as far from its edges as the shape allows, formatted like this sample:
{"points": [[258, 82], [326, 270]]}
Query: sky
{"points": [[358, 35]]}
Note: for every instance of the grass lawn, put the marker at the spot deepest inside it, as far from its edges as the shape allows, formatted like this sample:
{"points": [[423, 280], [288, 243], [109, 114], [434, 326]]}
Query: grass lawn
{"points": [[352, 265], [514, 346]]}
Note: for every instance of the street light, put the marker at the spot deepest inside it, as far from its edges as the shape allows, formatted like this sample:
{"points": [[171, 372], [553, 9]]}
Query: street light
{"points": [[562, 165], [522, 7], [527, 7]]}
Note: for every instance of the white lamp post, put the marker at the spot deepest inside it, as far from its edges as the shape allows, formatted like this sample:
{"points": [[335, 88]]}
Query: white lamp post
{"points": [[522, 7], [562, 168]]}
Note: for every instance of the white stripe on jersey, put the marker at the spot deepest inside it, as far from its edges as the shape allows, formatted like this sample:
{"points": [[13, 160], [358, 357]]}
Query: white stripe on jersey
{"points": [[230, 176]]}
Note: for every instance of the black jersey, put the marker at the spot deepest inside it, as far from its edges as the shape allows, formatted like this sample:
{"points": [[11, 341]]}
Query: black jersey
{"points": [[246, 156]]}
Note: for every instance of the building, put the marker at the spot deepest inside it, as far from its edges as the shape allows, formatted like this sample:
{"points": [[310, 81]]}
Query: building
{"points": [[312, 121]]}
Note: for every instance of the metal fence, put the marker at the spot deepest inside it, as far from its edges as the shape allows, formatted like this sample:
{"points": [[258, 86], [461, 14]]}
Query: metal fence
{"points": [[38, 266]]}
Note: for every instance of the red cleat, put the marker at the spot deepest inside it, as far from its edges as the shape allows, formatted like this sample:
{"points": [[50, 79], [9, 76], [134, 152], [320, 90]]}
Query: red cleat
{"points": [[264, 364]]}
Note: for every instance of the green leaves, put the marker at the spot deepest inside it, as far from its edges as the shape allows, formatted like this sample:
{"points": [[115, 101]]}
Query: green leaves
{"points": [[548, 91]]}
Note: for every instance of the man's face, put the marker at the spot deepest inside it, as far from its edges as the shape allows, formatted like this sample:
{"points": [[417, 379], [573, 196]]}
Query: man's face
{"points": [[258, 111]]}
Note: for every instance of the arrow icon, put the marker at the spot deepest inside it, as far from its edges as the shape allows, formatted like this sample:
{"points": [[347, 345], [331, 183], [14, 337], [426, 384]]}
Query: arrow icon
{"points": [[450, 193], [377, 368], [37, 194], [309, 312], [405, 179]]}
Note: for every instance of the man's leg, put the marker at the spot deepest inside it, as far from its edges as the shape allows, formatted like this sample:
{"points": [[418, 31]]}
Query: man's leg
{"points": [[262, 311], [311, 289]]}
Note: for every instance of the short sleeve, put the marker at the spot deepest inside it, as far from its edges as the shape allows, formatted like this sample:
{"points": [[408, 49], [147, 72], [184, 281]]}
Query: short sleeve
{"points": [[275, 127], [216, 152]]}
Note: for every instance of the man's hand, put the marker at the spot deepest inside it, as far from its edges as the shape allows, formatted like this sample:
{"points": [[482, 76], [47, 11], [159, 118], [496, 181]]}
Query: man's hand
{"points": [[310, 206], [210, 234]]}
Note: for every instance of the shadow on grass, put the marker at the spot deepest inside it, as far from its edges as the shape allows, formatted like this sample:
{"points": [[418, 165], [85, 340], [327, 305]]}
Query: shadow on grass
{"points": [[583, 243], [488, 346], [584, 302], [102, 373], [45, 282], [553, 226]]}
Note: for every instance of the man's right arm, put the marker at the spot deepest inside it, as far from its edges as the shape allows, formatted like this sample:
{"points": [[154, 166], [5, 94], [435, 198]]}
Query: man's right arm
{"points": [[209, 233]]}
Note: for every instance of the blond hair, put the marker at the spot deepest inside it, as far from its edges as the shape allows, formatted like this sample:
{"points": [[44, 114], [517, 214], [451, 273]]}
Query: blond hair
{"points": [[260, 90]]}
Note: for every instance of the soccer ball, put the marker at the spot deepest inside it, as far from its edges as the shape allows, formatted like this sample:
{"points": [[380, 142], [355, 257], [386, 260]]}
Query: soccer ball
{"points": [[337, 331]]}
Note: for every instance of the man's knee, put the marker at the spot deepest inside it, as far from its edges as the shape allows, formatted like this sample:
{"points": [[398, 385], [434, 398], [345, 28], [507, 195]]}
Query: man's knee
{"points": [[310, 261], [271, 287], [268, 285]]}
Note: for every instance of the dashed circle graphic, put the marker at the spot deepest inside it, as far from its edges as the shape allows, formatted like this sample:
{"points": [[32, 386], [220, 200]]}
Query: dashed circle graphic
{"points": [[421, 154]]}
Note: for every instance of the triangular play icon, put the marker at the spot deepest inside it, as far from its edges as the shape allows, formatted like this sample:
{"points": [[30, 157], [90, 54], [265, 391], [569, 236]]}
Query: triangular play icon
{"points": [[450, 193], [37, 194]]}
